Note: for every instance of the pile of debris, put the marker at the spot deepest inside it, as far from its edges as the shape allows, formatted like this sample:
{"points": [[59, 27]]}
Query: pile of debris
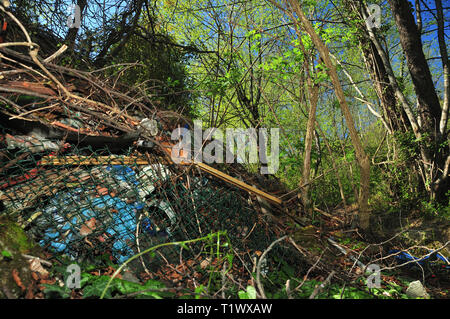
{"points": [[85, 168]]}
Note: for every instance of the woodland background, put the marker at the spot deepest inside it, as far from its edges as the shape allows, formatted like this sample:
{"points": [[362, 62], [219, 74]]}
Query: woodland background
{"points": [[349, 98], [362, 110]]}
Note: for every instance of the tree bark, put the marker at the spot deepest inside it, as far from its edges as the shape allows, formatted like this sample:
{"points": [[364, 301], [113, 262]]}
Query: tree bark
{"points": [[445, 66], [389, 72], [395, 116], [441, 184], [428, 103], [428, 128]]}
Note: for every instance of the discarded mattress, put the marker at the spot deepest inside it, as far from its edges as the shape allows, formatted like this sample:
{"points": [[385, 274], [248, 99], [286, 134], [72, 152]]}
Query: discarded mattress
{"points": [[72, 215]]}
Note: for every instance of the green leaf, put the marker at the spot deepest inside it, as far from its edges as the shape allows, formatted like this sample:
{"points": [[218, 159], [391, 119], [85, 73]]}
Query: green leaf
{"points": [[200, 289], [97, 287], [250, 33], [242, 294], [251, 292], [128, 287], [62, 292], [6, 254]]}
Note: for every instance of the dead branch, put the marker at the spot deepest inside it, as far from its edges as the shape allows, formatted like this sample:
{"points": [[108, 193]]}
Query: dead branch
{"points": [[258, 268]]}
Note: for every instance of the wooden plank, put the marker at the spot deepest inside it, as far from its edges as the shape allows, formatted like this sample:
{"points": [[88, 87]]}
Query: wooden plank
{"points": [[237, 183], [93, 160]]}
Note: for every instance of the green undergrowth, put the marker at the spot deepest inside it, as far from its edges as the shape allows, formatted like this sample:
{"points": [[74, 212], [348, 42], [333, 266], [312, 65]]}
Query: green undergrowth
{"points": [[95, 284], [92, 286]]}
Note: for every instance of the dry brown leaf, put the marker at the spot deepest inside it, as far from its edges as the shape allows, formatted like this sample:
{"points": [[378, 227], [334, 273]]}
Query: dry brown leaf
{"points": [[190, 262], [35, 276], [205, 263], [176, 277], [91, 223], [29, 294], [15, 275], [84, 230], [86, 240], [35, 265], [88, 227], [102, 191], [48, 281], [197, 275]]}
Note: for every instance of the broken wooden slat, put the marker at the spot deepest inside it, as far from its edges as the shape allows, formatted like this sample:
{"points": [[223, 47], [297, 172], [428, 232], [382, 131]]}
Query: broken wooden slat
{"points": [[93, 160], [237, 183]]}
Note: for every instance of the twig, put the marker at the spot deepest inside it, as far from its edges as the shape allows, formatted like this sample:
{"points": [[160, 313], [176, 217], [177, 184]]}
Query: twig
{"points": [[309, 270], [379, 244], [26, 67], [258, 268], [34, 49], [343, 290], [249, 233], [345, 252], [61, 50], [21, 116], [414, 260], [244, 264], [224, 279], [319, 288], [288, 289], [156, 290], [327, 215], [139, 246]]}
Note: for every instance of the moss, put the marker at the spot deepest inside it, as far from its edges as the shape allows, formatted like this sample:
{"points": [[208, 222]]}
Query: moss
{"points": [[13, 243], [307, 238], [13, 237]]}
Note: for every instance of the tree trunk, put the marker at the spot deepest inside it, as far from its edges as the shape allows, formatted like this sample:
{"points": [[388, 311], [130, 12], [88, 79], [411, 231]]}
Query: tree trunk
{"points": [[433, 159], [384, 90], [363, 160], [445, 66], [428, 102], [434, 156], [314, 96]]}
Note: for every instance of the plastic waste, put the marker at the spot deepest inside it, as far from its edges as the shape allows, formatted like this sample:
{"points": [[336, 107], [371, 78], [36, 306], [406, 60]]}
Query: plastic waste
{"points": [[67, 212], [33, 144], [404, 257]]}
